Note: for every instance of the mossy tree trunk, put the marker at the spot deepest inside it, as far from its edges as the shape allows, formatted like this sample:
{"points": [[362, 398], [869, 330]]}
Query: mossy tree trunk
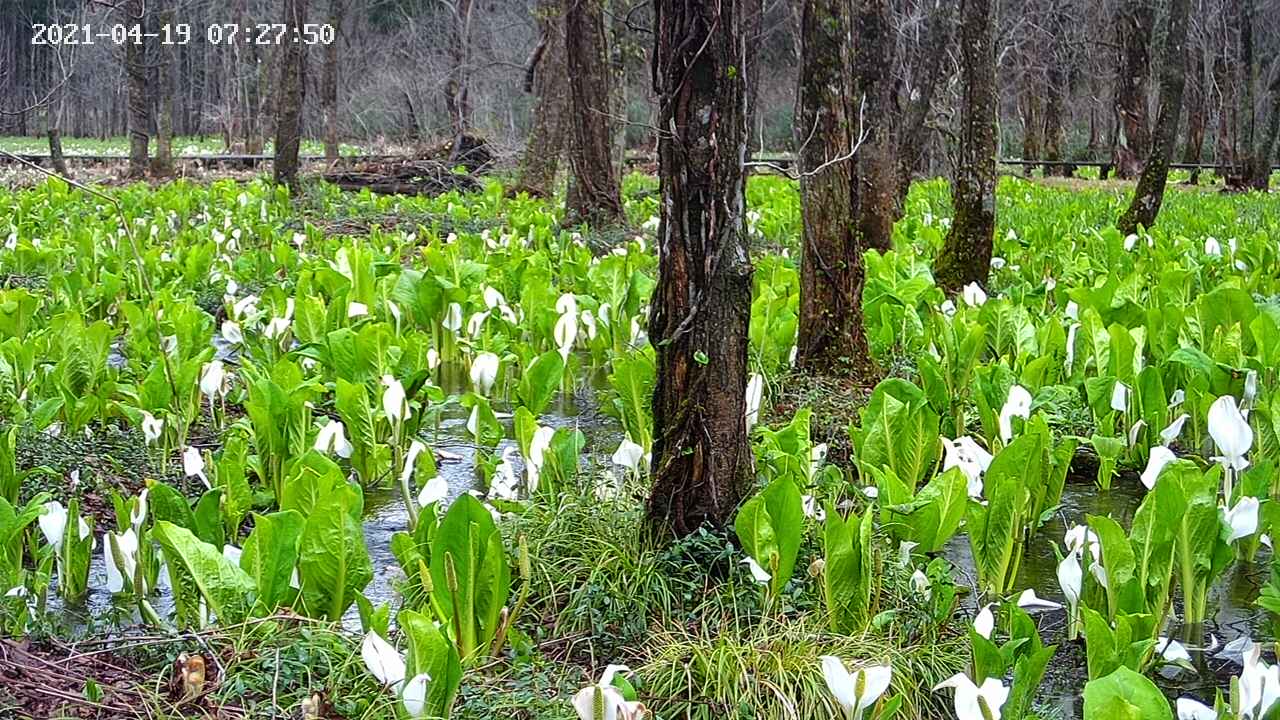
{"points": [[966, 251], [875, 181], [701, 307], [293, 89], [546, 78], [595, 194], [1149, 194], [1134, 22], [831, 338]]}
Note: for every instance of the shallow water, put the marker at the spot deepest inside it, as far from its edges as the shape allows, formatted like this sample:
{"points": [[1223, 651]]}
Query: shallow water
{"points": [[1235, 617], [385, 513]]}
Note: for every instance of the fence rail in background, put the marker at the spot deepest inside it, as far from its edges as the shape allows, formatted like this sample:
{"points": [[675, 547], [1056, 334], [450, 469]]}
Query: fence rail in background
{"points": [[632, 159], [211, 159]]}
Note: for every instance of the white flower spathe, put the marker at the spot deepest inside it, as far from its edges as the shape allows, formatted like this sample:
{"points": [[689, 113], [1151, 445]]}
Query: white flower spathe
{"points": [[1230, 432], [856, 691], [1018, 404]]}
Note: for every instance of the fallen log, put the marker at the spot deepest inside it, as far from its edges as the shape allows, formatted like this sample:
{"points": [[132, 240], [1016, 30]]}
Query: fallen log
{"points": [[410, 177]]}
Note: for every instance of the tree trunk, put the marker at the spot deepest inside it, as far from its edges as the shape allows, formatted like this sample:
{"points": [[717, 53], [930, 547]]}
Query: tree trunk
{"points": [[831, 338], [293, 88], [1134, 22], [1267, 150], [135, 64], [619, 53], [546, 79], [1032, 124], [1057, 87], [1149, 193], [329, 83], [57, 110], [595, 194], [56, 158], [913, 139], [875, 185], [1248, 174], [1223, 154], [702, 460], [457, 90], [166, 77], [966, 252], [1196, 110]]}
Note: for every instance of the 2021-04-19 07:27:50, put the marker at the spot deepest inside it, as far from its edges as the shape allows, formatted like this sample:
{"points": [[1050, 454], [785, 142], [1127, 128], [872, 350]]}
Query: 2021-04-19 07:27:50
{"points": [[182, 34]]}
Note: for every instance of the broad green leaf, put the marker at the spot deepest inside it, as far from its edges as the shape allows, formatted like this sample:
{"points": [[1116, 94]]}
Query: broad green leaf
{"points": [[224, 586], [270, 556], [1124, 695], [333, 560]]}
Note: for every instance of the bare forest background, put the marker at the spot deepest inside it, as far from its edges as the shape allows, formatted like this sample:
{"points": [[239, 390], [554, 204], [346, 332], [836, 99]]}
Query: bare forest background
{"points": [[1076, 79]]}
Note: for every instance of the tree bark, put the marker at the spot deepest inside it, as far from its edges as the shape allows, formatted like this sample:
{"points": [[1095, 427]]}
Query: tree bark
{"points": [[595, 194], [1032, 125], [1134, 22], [329, 83], [293, 88], [547, 80], [966, 252], [166, 77], [913, 140], [1248, 173], [1149, 194], [1224, 155], [135, 64], [875, 184], [1057, 88], [1194, 94], [457, 90], [56, 158], [831, 337], [699, 323]]}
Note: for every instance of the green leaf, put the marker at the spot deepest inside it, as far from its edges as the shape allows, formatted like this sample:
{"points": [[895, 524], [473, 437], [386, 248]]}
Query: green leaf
{"points": [[333, 560], [540, 381], [1125, 695], [470, 575], [770, 527], [898, 430], [430, 652], [225, 587], [270, 556], [846, 574]]}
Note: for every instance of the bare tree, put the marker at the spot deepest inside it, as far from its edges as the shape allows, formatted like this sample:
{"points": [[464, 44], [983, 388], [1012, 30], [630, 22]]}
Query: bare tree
{"points": [[545, 77], [876, 185], [166, 76], [701, 311], [1134, 22], [329, 82], [828, 123], [912, 141], [966, 252], [1196, 102], [457, 90], [135, 65], [1149, 194], [293, 89], [595, 193]]}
